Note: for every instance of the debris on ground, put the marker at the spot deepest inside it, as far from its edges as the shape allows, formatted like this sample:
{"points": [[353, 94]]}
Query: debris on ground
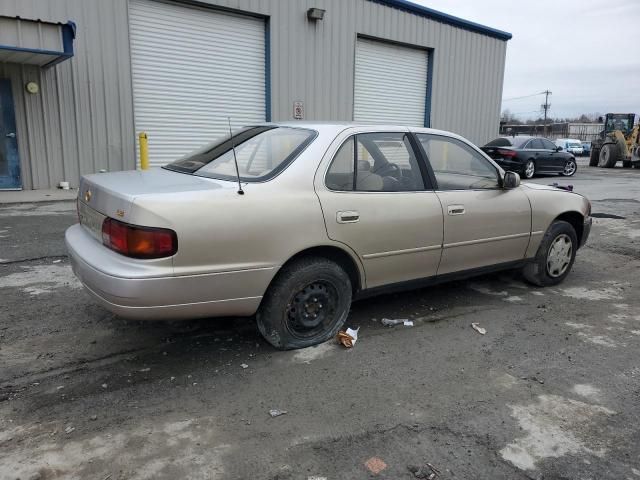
{"points": [[93, 418], [104, 385], [244, 365], [478, 328], [348, 338], [427, 471], [392, 322], [144, 369], [69, 429], [276, 413], [375, 465]]}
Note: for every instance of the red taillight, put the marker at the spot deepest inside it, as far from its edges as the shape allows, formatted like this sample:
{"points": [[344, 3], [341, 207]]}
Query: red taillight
{"points": [[138, 242], [507, 153]]}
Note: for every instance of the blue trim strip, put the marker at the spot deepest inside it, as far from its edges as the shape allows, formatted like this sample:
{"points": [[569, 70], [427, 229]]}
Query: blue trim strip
{"points": [[267, 68], [427, 103], [445, 18], [68, 35]]}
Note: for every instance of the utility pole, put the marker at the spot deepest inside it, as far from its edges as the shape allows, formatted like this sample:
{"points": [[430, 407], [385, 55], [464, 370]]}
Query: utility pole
{"points": [[546, 106]]}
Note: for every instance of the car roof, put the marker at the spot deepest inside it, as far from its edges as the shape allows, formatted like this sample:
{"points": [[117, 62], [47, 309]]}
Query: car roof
{"points": [[336, 127]]}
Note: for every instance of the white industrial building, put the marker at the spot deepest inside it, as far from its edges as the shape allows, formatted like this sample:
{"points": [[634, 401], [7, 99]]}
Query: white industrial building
{"points": [[79, 79]]}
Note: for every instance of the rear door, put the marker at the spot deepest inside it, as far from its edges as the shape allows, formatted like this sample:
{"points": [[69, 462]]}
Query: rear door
{"points": [[484, 224], [535, 151], [376, 200]]}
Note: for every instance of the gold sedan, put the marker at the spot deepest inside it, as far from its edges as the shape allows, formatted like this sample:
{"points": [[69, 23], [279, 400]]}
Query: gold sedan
{"points": [[290, 222]]}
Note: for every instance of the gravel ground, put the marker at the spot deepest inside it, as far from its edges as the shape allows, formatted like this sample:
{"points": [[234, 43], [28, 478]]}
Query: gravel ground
{"points": [[551, 391]]}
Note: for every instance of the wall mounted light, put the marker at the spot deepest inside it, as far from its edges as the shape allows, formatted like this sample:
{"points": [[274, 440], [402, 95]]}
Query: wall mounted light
{"points": [[315, 14], [32, 88]]}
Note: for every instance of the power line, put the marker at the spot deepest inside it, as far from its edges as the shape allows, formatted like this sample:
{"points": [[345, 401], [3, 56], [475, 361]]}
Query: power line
{"points": [[524, 96]]}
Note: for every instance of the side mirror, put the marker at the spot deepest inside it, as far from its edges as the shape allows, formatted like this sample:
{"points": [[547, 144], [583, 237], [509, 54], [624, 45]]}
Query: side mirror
{"points": [[510, 180], [559, 149]]}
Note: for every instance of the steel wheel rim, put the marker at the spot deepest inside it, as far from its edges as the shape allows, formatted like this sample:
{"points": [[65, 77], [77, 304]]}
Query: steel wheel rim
{"points": [[570, 168], [529, 169], [312, 309], [559, 255]]}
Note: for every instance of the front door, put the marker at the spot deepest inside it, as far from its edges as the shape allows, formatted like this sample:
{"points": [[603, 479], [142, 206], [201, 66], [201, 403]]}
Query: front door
{"points": [[375, 201], [484, 224], [9, 161], [554, 160]]}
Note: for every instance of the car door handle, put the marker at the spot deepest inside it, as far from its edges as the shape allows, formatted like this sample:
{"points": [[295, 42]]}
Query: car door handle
{"points": [[455, 210], [349, 216]]}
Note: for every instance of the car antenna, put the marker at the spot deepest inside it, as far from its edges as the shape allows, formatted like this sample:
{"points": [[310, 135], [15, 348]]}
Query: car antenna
{"points": [[235, 159]]}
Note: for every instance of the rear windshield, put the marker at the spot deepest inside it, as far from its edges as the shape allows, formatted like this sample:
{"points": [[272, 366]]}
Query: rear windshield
{"points": [[261, 152], [499, 142]]}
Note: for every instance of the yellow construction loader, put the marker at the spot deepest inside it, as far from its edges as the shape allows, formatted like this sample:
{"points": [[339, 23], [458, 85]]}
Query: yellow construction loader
{"points": [[619, 141]]}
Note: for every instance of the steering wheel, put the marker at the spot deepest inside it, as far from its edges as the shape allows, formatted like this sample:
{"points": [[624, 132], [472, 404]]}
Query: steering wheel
{"points": [[390, 170]]}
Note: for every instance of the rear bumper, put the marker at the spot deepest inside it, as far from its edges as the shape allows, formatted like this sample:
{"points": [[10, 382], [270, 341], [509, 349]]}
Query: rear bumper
{"points": [[586, 230], [158, 295]]}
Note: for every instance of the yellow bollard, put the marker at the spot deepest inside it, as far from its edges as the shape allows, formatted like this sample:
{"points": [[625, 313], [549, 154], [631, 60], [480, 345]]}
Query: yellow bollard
{"points": [[144, 150]]}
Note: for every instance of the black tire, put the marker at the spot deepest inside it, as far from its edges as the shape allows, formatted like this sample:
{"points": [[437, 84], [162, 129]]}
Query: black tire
{"points": [[570, 168], [594, 155], [626, 164], [302, 291], [537, 272], [608, 156], [529, 169]]}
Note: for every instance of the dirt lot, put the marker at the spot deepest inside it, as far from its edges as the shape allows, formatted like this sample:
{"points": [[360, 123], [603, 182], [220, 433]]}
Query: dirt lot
{"points": [[551, 391]]}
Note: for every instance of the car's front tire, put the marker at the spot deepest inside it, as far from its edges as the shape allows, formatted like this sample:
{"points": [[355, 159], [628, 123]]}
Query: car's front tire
{"points": [[306, 304], [529, 169], [555, 255], [570, 168]]}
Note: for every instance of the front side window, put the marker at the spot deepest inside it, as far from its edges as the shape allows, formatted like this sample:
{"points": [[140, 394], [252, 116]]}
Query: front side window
{"points": [[456, 165], [375, 162], [547, 144], [261, 152]]}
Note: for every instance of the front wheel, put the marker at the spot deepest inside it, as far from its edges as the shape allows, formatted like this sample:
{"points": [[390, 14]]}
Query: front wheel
{"points": [[570, 168], [608, 156], [306, 304], [529, 169], [555, 255]]}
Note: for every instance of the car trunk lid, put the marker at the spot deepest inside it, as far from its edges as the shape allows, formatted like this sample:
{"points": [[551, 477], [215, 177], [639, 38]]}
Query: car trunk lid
{"points": [[499, 153], [113, 194]]}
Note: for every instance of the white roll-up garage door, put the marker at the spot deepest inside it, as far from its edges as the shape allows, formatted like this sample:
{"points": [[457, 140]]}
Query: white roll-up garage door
{"points": [[192, 69], [390, 84]]}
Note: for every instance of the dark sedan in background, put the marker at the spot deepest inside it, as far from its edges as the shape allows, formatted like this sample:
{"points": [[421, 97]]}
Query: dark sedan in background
{"points": [[530, 156]]}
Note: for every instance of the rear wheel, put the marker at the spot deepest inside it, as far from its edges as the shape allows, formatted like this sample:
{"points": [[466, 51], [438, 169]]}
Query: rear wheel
{"points": [[306, 304], [570, 168], [555, 255], [594, 155], [529, 169], [608, 156]]}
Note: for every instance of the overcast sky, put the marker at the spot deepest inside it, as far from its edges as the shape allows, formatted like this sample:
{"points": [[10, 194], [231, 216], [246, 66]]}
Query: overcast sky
{"points": [[587, 52]]}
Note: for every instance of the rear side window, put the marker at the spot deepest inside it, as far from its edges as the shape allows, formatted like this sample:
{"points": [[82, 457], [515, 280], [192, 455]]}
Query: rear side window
{"points": [[375, 162], [535, 144], [261, 153], [341, 174]]}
